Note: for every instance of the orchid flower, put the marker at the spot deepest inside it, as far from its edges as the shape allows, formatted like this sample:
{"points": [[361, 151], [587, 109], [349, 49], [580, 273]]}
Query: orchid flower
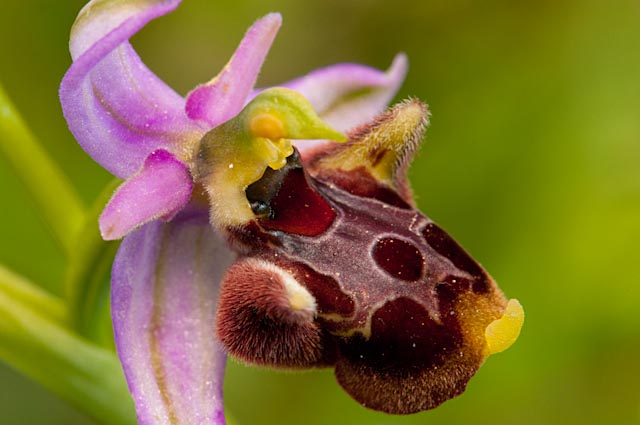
{"points": [[248, 230], [166, 275]]}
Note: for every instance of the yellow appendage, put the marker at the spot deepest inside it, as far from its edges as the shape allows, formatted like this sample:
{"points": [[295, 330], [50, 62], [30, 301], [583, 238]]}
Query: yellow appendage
{"points": [[503, 332]]}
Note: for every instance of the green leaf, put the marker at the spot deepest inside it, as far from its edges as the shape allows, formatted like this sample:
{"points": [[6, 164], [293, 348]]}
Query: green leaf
{"points": [[88, 377], [54, 197]]}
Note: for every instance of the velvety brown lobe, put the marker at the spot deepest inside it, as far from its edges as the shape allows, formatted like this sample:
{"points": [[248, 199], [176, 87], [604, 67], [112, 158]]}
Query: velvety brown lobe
{"points": [[409, 364], [403, 391], [257, 325]]}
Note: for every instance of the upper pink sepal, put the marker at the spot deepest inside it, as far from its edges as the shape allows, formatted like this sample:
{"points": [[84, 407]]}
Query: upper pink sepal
{"points": [[117, 109], [160, 189], [348, 95], [225, 95]]}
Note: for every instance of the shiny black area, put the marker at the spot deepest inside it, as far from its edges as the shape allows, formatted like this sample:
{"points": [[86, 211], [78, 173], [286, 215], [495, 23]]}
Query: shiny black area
{"points": [[260, 193]]}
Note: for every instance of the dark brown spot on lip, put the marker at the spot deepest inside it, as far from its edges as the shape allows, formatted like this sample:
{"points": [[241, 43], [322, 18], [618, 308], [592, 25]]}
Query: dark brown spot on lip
{"points": [[398, 258], [403, 334], [326, 290], [444, 244]]}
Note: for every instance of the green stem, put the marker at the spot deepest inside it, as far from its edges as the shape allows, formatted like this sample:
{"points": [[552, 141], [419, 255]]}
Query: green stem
{"points": [[88, 270], [81, 373], [24, 292], [92, 303], [55, 198]]}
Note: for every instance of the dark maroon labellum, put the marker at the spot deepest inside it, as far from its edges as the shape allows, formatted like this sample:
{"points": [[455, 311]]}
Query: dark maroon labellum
{"points": [[339, 269]]}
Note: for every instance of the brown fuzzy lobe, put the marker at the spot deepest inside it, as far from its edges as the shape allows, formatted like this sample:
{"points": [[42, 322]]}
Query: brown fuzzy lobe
{"points": [[411, 362], [403, 391], [257, 324]]}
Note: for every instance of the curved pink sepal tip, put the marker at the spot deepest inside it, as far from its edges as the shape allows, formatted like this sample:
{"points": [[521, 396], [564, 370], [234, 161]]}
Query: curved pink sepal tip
{"points": [[348, 95], [223, 97], [160, 189]]}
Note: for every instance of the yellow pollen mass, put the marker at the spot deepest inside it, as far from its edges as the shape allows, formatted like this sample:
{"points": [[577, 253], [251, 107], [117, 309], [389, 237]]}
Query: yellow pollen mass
{"points": [[268, 126], [503, 332], [284, 148]]}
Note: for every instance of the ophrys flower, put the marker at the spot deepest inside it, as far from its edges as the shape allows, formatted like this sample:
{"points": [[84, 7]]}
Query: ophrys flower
{"points": [[166, 275], [406, 322]]}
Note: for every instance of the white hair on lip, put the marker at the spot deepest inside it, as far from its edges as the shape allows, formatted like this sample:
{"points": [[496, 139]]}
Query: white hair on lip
{"points": [[300, 299]]}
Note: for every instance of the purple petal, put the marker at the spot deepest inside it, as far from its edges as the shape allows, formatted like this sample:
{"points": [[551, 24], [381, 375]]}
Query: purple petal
{"points": [[117, 109], [348, 95], [223, 97], [160, 189], [164, 293]]}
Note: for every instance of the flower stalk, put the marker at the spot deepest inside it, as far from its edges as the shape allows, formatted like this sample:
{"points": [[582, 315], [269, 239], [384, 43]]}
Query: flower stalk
{"points": [[86, 282], [34, 341], [55, 199], [41, 335]]}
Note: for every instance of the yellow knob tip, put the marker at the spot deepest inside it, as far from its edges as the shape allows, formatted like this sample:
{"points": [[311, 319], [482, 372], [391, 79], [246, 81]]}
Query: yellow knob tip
{"points": [[503, 332]]}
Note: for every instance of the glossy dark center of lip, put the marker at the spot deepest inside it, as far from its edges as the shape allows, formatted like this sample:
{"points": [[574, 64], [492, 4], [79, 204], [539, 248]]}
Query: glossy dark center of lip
{"points": [[398, 258]]}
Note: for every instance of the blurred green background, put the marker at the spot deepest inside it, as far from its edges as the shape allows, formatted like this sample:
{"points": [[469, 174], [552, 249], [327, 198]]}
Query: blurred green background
{"points": [[531, 162]]}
